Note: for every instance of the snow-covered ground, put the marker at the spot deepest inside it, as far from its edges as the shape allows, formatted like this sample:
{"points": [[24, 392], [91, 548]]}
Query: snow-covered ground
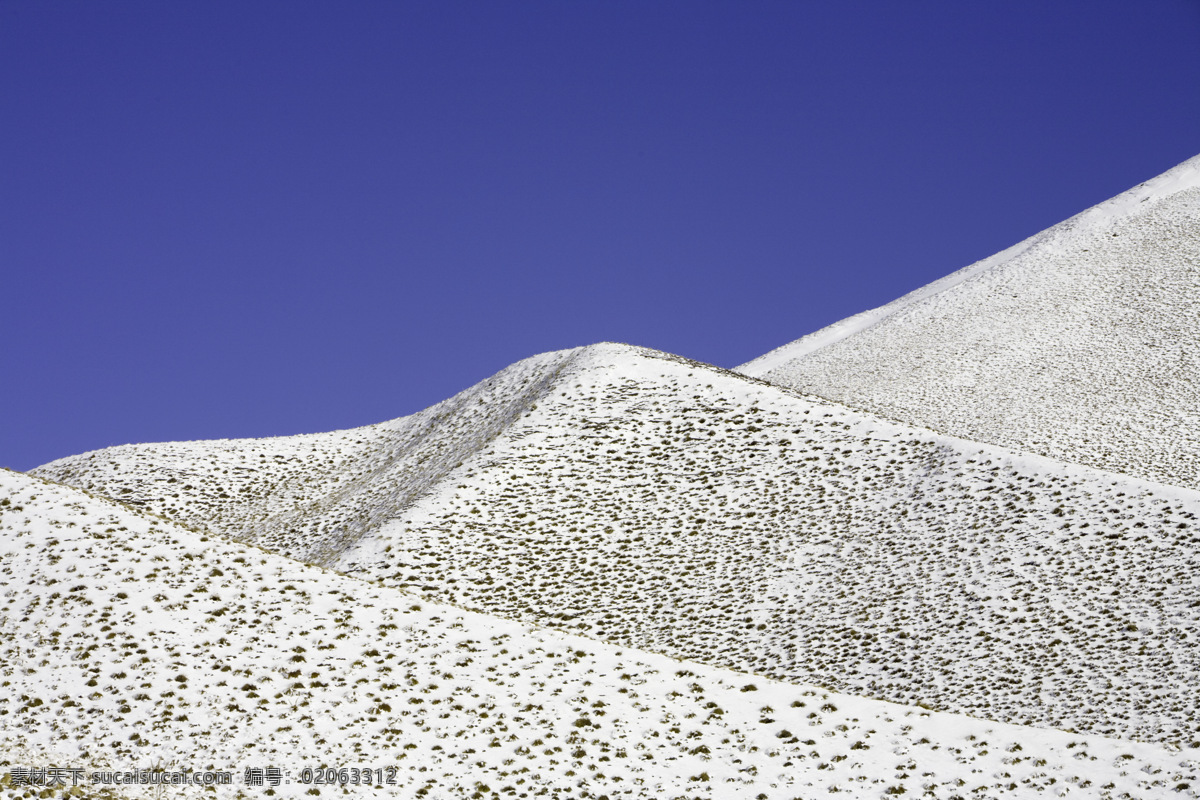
{"points": [[1080, 343], [663, 504], [948, 548], [131, 642], [311, 495]]}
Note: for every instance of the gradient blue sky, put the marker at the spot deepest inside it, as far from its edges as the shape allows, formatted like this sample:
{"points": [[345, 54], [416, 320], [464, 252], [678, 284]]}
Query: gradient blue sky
{"points": [[227, 219]]}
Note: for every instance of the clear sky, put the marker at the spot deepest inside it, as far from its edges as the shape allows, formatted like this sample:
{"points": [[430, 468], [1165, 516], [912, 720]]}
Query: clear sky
{"points": [[228, 219]]}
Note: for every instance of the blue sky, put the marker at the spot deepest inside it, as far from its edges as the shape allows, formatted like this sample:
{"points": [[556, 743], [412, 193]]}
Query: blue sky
{"points": [[228, 219]]}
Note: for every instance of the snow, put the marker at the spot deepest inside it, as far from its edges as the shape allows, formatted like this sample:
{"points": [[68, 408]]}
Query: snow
{"points": [[144, 644], [671, 506], [1078, 344], [1181, 178]]}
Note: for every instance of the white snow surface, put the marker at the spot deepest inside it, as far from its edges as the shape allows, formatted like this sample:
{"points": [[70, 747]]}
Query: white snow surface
{"points": [[312, 495], [132, 643], [1079, 343], [662, 504]]}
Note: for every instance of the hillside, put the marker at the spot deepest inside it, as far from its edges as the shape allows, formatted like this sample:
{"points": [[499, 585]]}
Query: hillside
{"points": [[657, 503], [132, 642], [311, 496], [1079, 343]]}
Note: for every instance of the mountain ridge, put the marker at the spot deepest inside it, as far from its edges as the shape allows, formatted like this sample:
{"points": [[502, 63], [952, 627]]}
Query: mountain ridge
{"points": [[1182, 177], [1078, 343], [663, 504], [401, 454]]}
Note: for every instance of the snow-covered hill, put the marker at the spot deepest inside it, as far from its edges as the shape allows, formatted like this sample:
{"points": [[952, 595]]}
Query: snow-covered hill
{"points": [[614, 572], [1080, 343], [312, 496], [658, 503], [130, 642]]}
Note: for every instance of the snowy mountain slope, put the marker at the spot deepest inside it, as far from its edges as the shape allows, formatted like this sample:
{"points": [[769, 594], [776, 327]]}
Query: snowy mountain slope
{"points": [[130, 642], [663, 504], [1079, 344], [316, 492]]}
